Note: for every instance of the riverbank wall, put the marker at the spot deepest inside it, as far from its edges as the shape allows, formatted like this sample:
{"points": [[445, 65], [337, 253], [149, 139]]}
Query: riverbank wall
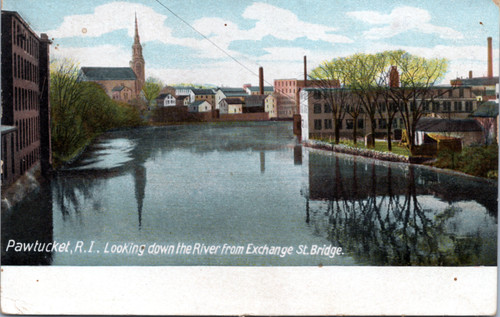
{"points": [[341, 148], [22, 187]]}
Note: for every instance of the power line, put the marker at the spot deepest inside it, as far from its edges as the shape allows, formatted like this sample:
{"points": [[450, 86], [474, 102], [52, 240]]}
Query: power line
{"points": [[209, 40]]}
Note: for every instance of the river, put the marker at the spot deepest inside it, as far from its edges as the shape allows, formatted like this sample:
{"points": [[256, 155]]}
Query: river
{"points": [[247, 194]]}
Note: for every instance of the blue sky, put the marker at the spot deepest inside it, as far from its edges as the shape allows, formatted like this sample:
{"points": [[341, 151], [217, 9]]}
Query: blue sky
{"points": [[273, 34]]}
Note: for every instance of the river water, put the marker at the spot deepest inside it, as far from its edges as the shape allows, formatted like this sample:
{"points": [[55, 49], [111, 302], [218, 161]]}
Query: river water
{"points": [[247, 194]]}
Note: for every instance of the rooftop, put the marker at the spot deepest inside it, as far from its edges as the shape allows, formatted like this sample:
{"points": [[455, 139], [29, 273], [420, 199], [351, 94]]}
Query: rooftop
{"points": [[108, 73], [266, 88], [479, 81], [448, 125], [255, 101], [203, 91]]}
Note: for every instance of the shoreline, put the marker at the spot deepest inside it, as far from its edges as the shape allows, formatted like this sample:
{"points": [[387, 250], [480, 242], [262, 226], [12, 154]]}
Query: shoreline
{"points": [[385, 157]]}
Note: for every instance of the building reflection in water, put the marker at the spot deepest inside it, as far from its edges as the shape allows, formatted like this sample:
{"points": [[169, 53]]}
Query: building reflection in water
{"points": [[29, 222], [383, 215]]}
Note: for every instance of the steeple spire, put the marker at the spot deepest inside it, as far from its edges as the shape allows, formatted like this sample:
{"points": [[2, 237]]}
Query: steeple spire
{"points": [[136, 36], [137, 63]]}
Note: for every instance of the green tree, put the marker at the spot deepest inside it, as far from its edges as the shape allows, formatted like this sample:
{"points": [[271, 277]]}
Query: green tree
{"points": [[150, 90]]}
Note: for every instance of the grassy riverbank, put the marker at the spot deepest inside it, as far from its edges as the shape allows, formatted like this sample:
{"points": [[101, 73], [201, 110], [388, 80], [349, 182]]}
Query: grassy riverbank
{"points": [[380, 146], [81, 111], [477, 160]]}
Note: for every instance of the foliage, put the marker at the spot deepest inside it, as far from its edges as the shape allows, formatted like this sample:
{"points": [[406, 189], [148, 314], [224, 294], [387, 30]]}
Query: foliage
{"points": [[475, 160], [81, 110], [151, 89], [366, 79]]}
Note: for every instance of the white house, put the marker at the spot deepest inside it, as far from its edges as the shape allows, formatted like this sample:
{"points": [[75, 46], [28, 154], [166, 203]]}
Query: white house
{"points": [[200, 106], [166, 100]]}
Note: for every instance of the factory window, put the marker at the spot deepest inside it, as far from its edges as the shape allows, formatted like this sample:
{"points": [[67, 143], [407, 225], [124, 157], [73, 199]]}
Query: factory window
{"points": [[382, 124], [468, 106], [361, 124], [458, 106], [349, 124], [317, 108], [317, 124], [328, 124], [328, 108], [435, 106], [447, 106]]}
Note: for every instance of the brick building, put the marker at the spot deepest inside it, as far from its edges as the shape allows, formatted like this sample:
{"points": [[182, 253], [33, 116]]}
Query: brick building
{"points": [[25, 99]]}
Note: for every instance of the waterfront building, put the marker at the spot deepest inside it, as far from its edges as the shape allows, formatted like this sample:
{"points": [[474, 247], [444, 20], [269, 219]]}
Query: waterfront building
{"points": [[231, 106], [204, 94], [166, 100], [120, 83], [200, 106], [228, 92], [270, 106], [254, 103], [25, 131], [445, 102]]}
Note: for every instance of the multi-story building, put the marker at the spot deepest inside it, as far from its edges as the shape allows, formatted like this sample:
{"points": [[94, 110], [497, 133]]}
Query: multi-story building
{"points": [[25, 99], [204, 95], [271, 106], [445, 102], [288, 91], [227, 92]]}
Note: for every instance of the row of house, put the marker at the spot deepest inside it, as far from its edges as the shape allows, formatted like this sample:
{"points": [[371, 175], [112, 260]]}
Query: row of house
{"points": [[225, 100]]}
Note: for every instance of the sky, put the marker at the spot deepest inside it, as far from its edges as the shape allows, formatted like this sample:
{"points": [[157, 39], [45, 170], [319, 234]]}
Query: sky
{"points": [[223, 42]]}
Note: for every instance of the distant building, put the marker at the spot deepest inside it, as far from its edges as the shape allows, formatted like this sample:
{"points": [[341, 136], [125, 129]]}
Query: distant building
{"points": [[270, 106], [166, 100], [254, 103], [429, 130], [227, 92], [231, 106], [200, 106], [182, 101], [26, 139], [204, 95], [252, 90], [120, 83]]}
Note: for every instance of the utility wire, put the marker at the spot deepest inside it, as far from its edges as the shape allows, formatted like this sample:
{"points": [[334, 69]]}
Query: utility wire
{"points": [[210, 41]]}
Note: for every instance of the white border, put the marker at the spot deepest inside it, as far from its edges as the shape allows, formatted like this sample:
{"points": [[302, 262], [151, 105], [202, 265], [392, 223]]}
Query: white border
{"points": [[249, 290]]}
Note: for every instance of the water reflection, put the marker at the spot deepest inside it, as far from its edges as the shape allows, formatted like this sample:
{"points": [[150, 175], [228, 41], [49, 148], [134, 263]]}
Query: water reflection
{"points": [[203, 184], [383, 215]]}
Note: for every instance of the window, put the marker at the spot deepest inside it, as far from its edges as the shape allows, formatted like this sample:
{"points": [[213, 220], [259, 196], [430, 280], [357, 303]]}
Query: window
{"points": [[382, 124], [435, 106], [328, 124], [328, 108], [425, 106], [468, 106], [349, 124], [317, 108], [361, 124], [317, 124], [458, 106], [461, 92], [317, 94], [447, 106]]}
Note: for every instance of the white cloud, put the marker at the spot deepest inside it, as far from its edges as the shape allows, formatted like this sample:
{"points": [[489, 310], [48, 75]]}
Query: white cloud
{"points": [[400, 20], [100, 56]]}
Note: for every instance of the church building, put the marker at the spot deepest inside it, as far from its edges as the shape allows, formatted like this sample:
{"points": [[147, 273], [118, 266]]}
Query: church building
{"points": [[120, 83]]}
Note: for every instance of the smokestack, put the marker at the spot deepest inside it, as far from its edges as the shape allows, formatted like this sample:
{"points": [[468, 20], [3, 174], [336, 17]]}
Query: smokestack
{"points": [[470, 73], [261, 80], [490, 58], [305, 71], [394, 77]]}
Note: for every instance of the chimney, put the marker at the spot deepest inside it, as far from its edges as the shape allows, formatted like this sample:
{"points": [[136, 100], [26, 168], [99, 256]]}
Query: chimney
{"points": [[394, 77], [490, 58], [261, 80], [305, 71], [470, 74]]}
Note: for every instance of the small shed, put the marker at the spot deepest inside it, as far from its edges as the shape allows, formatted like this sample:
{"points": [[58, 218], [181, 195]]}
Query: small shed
{"points": [[468, 131]]}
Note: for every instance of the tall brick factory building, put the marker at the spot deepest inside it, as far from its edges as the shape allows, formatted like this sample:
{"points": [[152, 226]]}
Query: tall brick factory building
{"points": [[25, 125]]}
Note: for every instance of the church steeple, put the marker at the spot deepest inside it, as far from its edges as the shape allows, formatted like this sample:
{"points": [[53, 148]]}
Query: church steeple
{"points": [[137, 63]]}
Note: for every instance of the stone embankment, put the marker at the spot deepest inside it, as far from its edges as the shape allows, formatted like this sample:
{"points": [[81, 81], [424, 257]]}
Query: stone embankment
{"points": [[346, 149], [25, 185]]}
